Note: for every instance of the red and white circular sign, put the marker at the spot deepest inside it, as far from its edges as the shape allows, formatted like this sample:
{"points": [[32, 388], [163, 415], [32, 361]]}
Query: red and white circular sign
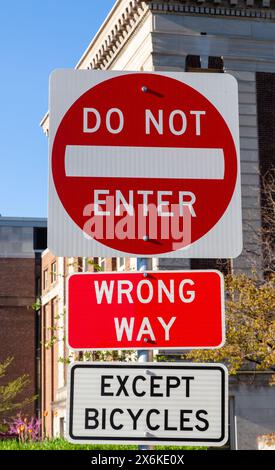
{"points": [[148, 140]]}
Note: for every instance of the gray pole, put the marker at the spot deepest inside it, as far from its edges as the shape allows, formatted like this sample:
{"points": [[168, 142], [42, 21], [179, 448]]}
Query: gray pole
{"points": [[143, 355], [142, 265]]}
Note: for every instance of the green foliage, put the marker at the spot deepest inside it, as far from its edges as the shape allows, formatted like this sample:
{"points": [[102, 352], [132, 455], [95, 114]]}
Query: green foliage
{"points": [[250, 325], [89, 261], [62, 444], [37, 305], [96, 266], [9, 391], [109, 355]]}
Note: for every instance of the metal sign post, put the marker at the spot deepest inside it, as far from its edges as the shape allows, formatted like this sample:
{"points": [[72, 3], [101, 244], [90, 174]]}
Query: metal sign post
{"points": [[142, 354]]}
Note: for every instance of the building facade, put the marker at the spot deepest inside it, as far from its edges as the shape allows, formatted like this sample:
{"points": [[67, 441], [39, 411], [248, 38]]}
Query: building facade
{"points": [[55, 355], [22, 241], [227, 36]]}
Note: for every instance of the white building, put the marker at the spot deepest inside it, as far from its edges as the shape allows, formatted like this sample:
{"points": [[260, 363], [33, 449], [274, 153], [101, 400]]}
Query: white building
{"points": [[179, 35]]}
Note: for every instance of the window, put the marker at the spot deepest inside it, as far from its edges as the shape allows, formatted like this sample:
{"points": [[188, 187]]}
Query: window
{"points": [[223, 265], [215, 64], [120, 264], [192, 62], [95, 264], [114, 264], [45, 279], [61, 427], [102, 263], [53, 272], [196, 63], [39, 238]]}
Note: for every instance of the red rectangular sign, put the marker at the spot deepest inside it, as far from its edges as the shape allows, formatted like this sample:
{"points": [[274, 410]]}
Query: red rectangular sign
{"points": [[152, 310]]}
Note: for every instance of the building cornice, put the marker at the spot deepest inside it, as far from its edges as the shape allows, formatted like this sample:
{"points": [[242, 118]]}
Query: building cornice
{"points": [[23, 221], [264, 9], [119, 26], [127, 15]]}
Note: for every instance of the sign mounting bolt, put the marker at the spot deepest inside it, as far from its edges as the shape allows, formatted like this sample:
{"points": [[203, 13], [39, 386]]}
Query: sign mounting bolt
{"points": [[144, 89], [145, 238]]}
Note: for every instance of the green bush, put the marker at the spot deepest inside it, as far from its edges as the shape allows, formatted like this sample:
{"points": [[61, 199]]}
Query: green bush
{"points": [[62, 444]]}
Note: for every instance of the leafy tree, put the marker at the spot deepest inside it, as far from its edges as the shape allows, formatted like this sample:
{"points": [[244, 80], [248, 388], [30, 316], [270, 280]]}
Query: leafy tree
{"points": [[261, 250], [10, 391], [250, 300], [250, 325]]}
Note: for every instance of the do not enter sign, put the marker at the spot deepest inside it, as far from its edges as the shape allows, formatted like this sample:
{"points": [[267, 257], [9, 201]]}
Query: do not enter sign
{"points": [[144, 164]]}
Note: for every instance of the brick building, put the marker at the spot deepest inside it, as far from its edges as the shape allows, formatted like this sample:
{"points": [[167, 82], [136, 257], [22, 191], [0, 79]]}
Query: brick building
{"points": [[53, 373], [21, 242], [55, 271], [237, 37]]}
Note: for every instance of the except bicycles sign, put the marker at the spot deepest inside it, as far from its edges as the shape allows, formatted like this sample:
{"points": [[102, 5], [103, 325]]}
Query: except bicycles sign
{"points": [[149, 403]]}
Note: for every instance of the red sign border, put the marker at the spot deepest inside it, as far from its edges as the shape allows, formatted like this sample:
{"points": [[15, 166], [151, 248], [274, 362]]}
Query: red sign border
{"points": [[174, 348]]}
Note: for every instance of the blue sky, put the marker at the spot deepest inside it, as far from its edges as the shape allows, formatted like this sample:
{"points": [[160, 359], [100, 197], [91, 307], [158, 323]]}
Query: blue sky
{"points": [[35, 38]]}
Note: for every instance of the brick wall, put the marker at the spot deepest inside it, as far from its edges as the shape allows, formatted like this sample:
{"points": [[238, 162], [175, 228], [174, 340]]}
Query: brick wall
{"points": [[47, 365], [17, 319], [49, 362], [265, 83]]}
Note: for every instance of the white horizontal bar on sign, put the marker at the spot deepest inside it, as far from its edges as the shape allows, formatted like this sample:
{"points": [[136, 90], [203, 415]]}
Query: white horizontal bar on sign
{"points": [[144, 162]]}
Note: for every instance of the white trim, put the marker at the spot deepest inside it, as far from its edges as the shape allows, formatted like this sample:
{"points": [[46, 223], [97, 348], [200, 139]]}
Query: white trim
{"points": [[45, 252]]}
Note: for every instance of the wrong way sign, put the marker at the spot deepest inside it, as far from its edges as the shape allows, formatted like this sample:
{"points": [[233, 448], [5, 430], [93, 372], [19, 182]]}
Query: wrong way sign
{"points": [[164, 310], [144, 164], [148, 403]]}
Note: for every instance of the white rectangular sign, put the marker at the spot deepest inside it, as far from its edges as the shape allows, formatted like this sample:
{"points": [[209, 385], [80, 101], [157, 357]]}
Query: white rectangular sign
{"points": [[135, 162], [153, 403], [144, 164]]}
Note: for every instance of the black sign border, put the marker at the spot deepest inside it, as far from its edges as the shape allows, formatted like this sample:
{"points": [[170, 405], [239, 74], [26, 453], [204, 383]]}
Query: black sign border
{"points": [[143, 438]]}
